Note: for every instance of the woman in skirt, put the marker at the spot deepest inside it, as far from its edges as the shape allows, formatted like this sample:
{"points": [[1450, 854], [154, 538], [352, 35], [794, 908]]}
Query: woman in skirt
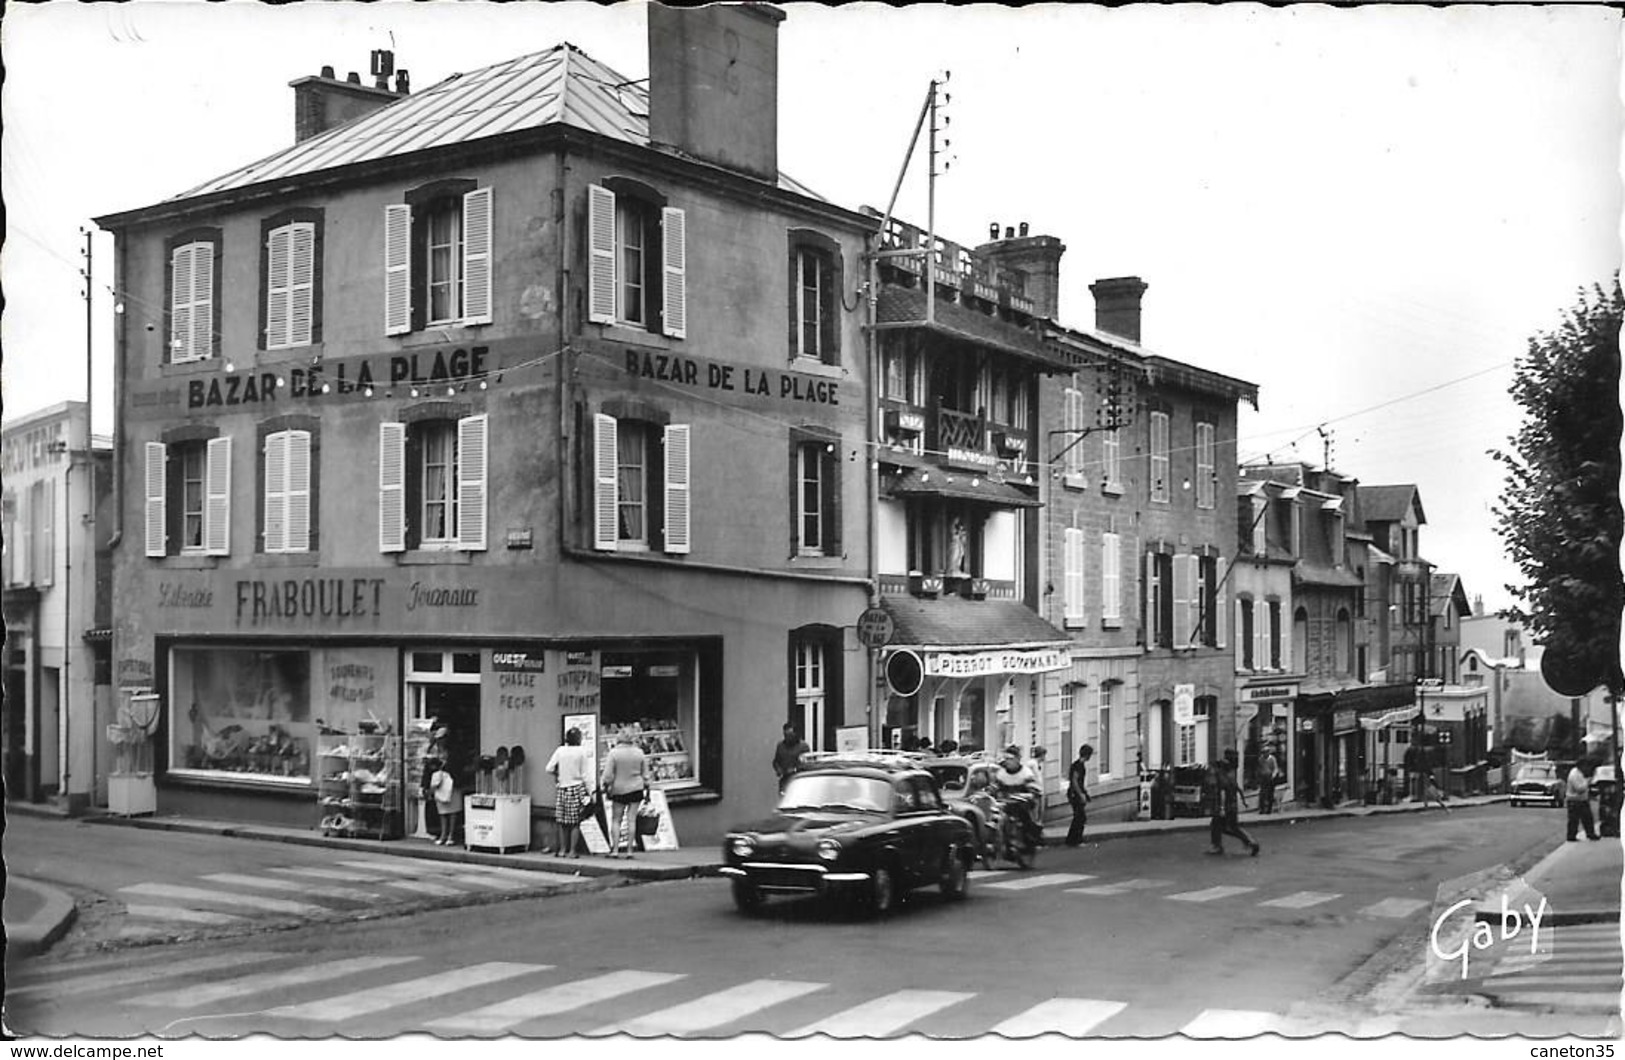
{"points": [[570, 766]]}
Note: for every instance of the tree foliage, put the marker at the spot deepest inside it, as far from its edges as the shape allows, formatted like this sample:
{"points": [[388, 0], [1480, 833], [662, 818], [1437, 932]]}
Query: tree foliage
{"points": [[1559, 512]]}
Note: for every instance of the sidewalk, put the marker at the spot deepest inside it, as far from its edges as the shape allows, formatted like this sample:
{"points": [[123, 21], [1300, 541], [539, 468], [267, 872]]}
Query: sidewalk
{"points": [[1580, 882]]}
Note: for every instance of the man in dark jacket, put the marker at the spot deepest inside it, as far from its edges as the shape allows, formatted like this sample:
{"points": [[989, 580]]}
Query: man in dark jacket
{"points": [[1226, 812], [1077, 793], [787, 755]]}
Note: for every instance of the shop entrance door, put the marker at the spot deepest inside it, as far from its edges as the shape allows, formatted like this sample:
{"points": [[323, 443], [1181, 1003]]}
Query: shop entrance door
{"points": [[444, 685]]}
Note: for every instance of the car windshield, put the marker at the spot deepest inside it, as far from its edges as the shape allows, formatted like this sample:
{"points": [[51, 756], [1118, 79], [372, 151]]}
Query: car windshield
{"points": [[830, 791], [950, 778], [1540, 772]]}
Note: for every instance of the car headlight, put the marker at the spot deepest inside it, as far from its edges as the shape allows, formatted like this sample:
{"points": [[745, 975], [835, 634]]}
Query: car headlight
{"points": [[743, 846], [829, 849]]}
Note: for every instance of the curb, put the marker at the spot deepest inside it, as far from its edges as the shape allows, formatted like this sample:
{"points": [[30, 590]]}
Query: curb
{"points": [[641, 872], [36, 934], [1136, 829]]}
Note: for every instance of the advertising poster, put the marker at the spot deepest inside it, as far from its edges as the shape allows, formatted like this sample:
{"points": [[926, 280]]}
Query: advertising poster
{"points": [[666, 837]]}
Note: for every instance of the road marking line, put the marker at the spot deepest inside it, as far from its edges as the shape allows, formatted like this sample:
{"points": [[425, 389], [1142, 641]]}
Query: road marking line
{"points": [[1209, 894], [1027, 883], [1073, 1016], [438, 890], [144, 973], [417, 868], [882, 1015], [551, 1001], [393, 995], [440, 868], [189, 916], [238, 880], [1124, 887], [495, 883], [713, 1010], [199, 894], [1301, 900], [326, 874], [197, 996], [1396, 908], [1230, 1023]]}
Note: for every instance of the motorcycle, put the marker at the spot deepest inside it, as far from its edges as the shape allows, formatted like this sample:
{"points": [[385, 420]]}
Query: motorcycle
{"points": [[1015, 842]]}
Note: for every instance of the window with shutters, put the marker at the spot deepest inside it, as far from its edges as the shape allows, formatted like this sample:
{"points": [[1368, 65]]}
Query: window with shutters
{"points": [[438, 257], [1206, 466], [1244, 633], [192, 296], [288, 499], [1071, 438], [1105, 747], [188, 494], [815, 297], [641, 479], [1072, 578], [1111, 460], [291, 278], [1159, 600], [1275, 630], [637, 267], [42, 530], [1210, 595], [432, 483], [1159, 457], [815, 494], [1111, 580]]}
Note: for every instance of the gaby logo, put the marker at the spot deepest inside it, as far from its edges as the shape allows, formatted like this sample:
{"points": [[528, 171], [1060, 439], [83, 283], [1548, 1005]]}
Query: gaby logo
{"points": [[1478, 937]]}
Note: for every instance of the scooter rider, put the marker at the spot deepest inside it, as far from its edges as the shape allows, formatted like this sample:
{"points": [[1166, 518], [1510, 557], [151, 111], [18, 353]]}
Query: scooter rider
{"points": [[1015, 779]]}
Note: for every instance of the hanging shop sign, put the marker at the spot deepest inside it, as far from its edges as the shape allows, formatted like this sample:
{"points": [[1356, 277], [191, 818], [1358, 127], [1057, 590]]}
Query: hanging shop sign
{"points": [[981, 663], [875, 627], [1269, 692], [1184, 704], [519, 661], [1346, 720]]}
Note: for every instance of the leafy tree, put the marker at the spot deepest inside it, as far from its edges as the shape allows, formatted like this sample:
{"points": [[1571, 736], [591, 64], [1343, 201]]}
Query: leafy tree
{"points": [[1559, 513]]}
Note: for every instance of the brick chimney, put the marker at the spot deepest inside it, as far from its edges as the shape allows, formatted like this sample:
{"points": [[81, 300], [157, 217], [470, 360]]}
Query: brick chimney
{"points": [[1037, 256], [1117, 306], [714, 84], [323, 102]]}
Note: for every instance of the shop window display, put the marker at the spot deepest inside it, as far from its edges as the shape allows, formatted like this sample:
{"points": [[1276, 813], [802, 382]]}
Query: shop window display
{"points": [[655, 694], [241, 712]]}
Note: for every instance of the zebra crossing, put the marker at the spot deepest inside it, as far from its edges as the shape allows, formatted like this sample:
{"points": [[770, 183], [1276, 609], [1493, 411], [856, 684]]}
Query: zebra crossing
{"points": [[226, 900], [1006, 880], [260, 991], [1575, 967]]}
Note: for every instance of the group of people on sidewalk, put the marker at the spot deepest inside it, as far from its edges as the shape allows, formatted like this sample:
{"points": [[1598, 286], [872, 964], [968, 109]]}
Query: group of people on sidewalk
{"points": [[623, 780]]}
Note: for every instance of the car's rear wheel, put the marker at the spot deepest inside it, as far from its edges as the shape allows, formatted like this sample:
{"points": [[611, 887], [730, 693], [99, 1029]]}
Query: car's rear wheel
{"points": [[955, 874], [747, 899], [882, 893]]}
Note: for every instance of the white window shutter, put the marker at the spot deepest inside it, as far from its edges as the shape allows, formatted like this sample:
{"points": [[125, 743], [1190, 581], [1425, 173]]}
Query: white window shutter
{"points": [[601, 261], [1148, 600], [678, 508], [217, 498], [276, 492], [1111, 580], [1221, 608], [397, 269], [674, 272], [202, 300], [302, 284], [298, 493], [1072, 589], [157, 495], [477, 260], [472, 463], [1261, 635], [606, 501], [392, 487], [180, 304], [1182, 602], [279, 288]]}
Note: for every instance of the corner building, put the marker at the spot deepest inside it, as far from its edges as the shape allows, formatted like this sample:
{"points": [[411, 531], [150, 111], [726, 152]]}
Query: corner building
{"points": [[526, 400]]}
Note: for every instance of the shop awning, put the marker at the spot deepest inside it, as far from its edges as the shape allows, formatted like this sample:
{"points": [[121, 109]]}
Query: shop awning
{"points": [[1398, 716], [953, 623], [962, 485]]}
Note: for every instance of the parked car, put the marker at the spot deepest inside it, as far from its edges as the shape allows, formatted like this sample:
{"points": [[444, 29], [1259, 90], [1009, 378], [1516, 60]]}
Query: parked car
{"points": [[866, 825], [1538, 783]]}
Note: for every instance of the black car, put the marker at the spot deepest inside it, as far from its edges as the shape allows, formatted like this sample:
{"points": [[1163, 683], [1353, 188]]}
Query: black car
{"points": [[865, 825]]}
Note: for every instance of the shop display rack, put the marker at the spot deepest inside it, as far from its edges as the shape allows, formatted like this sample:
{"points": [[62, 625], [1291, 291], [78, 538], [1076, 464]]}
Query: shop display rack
{"points": [[358, 784]]}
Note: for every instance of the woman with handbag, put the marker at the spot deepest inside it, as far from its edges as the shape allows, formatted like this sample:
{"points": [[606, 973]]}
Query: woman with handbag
{"points": [[625, 779]]}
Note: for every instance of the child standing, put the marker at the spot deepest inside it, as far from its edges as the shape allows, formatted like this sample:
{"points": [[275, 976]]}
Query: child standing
{"points": [[444, 786]]}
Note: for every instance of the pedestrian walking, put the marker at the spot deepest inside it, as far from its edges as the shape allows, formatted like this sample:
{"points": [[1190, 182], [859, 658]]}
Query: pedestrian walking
{"points": [[625, 779], [1577, 794], [1267, 770], [1077, 794], [570, 765], [787, 755], [1431, 792], [1226, 812]]}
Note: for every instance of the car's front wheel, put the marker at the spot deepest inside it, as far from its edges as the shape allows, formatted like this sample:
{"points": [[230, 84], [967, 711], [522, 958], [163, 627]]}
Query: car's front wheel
{"points": [[747, 899], [955, 874], [882, 893]]}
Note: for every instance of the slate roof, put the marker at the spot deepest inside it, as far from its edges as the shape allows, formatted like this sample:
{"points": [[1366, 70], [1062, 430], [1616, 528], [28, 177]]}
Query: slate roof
{"points": [[1445, 590], [1388, 504], [905, 306], [1331, 577], [562, 85], [957, 623]]}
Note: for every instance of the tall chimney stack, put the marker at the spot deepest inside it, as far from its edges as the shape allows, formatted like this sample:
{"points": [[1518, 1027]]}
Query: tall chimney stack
{"points": [[1039, 257], [1117, 306], [714, 84], [323, 102]]}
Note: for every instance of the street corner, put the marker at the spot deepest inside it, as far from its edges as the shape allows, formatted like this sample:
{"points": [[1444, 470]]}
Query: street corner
{"points": [[1488, 923]]}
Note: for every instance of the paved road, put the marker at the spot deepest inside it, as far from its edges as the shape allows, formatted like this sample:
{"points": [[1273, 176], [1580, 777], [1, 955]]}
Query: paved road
{"points": [[1142, 937]]}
